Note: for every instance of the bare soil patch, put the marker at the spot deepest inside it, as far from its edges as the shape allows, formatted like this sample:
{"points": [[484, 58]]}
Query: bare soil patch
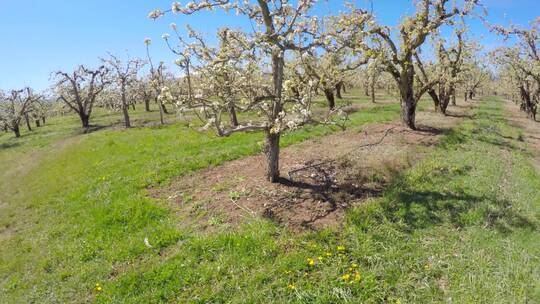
{"points": [[321, 178]]}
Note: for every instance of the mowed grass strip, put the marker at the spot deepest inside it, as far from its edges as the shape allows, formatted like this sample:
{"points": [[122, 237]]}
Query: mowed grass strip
{"points": [[79, 215]]}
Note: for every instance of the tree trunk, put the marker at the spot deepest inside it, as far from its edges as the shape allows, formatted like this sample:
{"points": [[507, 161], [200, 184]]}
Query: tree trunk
{"points": [[329, 93], [127, 123], [125, 107], [408, 101], [43, 119], [38, 123], [164, 109], [147, 104], [272, 139], [435, 98], [27, 120], [339, 86], [272, 156], [445, 101], [161, 120], [466, 96], [232, 115], [454, 97], [85, 120], [133, 106], [16, 130], [373, 92], [471, 94]]}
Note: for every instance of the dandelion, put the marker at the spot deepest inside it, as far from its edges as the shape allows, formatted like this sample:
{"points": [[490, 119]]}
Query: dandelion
{"points": [[165, 36], [173, 26], [311, 262], [147, 41], [357, 277], [346, 277], [340, 248], [98, 287], [320, 258], [354, 265], [291, 286], [328, 254]]}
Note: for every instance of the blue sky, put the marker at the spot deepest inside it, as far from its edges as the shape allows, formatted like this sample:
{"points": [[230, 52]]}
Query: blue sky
{"points": [[39, 37]]}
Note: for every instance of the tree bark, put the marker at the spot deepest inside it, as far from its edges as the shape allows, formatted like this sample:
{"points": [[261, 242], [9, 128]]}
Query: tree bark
{"points": [[272, 139], [373, 92], [161, 120], [232, 115], [466, 96], [27, 120], [16, 130], [272, 156], [329, 93], [408, 100], [445, 101], [38, 123], [125, 106], [164, 109], [435, 98], [43, 119], [147, 104], [339, 87], [85, 120]]}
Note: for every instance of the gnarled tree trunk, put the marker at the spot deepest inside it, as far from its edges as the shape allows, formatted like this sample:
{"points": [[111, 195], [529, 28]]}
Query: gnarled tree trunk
{"points": [[232, 115], [329, 93], [408, 100], [85, 120], [16, 130], [125, 106], [339, 87]]}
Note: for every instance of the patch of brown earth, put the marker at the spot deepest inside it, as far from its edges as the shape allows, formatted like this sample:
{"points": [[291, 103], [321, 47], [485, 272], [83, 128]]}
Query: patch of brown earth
{"points": [[321, 178], [531, 130]]}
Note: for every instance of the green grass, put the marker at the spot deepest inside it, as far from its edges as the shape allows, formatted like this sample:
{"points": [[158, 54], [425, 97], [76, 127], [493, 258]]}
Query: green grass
{"points": [[463, 224], [75, 206]]}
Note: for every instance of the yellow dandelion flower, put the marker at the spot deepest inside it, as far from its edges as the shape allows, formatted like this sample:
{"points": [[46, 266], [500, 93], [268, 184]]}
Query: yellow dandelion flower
{"points": [[341, 248], [320, 258], [328, 254], [311, 262], [346, 277], [98, 288], [291, 286], [354, 265], [357, 277]]}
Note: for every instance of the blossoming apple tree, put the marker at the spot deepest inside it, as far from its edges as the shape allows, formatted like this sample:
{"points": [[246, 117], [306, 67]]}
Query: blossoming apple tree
{"points": [[80, 88], [398, 56], [123, 76], [255, 61]]}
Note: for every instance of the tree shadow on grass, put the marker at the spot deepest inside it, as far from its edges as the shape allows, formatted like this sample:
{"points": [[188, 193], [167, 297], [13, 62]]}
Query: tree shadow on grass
{"points": [[93, 128], [409, 205], [422, 209], [318, 195], [9, 145]]}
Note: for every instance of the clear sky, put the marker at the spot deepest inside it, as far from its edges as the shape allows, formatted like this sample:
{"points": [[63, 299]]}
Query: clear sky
{"points": [[41, 36]]}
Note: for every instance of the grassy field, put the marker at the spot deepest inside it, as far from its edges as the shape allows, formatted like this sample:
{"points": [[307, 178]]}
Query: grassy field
{"points": [[462, 226]]}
